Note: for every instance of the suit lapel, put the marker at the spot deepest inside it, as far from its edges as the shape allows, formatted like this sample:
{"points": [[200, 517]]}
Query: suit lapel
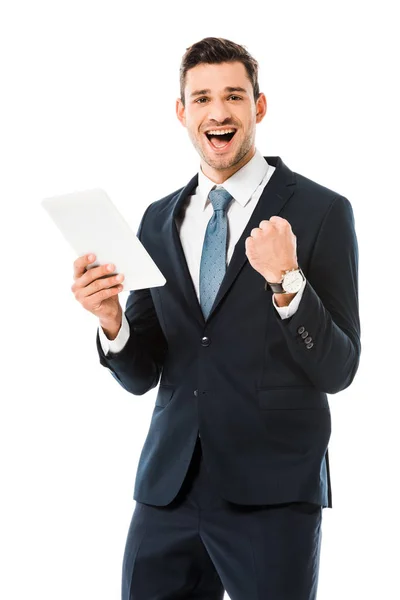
{"points": [[276, 193], [178, 259]]}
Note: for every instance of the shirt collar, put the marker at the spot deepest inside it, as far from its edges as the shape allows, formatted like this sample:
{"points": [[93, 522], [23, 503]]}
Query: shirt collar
{"points": [[241, 185]]}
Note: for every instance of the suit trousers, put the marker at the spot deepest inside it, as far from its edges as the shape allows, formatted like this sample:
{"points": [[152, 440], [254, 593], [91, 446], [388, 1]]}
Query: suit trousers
{"points": [[201, 545]]}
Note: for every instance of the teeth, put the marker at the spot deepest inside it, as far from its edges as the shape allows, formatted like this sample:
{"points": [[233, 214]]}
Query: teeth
{"points": [[220, 131]]}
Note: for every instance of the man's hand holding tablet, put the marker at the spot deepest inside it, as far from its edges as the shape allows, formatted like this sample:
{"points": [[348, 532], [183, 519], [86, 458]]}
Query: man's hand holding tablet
{"points": [[98, 291], [89, 221]]}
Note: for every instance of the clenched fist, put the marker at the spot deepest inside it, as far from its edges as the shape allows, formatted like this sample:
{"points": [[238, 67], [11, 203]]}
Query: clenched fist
{"points": [[271, 248]]}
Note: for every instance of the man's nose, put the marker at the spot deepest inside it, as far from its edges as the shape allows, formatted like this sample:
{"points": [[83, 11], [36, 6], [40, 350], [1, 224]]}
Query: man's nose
{"points": [[219, 111]]}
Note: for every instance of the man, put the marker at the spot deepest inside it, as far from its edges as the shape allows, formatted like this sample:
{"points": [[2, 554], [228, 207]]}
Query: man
{"points": [[257, 322]]}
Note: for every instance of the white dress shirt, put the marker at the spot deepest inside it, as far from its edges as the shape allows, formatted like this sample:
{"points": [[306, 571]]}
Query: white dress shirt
{"points": [[246, 187]]}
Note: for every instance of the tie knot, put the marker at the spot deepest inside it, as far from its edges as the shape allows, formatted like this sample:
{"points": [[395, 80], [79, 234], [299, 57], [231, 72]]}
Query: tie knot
{"points": [[220, 198]]}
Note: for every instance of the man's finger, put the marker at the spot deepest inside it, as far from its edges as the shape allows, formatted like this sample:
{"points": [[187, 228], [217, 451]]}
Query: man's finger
{"points": [[264, 223], [279, 220], [81, 263]]}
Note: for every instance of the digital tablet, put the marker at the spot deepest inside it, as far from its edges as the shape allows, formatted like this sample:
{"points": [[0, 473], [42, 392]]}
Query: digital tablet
{"points": [[91, 223]]}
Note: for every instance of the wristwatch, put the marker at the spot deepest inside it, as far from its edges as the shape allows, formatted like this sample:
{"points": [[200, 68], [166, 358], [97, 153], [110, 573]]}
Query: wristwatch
{"points": [[290, 283]]}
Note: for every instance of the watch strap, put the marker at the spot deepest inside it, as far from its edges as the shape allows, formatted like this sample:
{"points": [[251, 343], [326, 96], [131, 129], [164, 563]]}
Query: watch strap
{"points": [[277, 288]]}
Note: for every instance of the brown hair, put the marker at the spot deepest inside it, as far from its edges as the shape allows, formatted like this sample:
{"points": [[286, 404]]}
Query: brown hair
{"points": [[213, 50]]}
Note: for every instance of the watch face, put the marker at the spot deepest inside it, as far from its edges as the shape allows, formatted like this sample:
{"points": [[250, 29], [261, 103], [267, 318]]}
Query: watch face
{"points": [[292, 282]]}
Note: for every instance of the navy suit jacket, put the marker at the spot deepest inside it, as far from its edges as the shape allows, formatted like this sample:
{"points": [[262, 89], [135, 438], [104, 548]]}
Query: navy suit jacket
{"points": [[245, 378]]}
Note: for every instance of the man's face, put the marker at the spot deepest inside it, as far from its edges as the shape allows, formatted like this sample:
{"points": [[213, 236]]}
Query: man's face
{"points": [[220, 115]]}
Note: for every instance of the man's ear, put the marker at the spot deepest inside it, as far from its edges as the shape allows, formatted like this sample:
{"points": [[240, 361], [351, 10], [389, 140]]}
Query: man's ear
{"points": [[180, 112], [261, 107]]}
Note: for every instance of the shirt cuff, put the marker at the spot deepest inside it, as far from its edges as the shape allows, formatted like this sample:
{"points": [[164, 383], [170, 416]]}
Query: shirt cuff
{"points": [[287, 311], [119, 342]]}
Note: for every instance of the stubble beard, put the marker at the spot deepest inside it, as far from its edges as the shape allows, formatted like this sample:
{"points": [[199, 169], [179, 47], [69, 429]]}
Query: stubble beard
{"points": [[221, 163]]}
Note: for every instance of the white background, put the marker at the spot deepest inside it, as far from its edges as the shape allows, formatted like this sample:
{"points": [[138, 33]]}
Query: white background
{"points": [[87, 99]]}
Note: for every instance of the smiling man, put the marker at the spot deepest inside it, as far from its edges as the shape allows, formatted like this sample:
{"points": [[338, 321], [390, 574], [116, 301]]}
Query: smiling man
{"points": [[221, 118], [257, 323]]}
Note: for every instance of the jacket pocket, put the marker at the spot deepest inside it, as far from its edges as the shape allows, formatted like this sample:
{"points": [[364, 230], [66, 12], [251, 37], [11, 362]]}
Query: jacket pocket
{"points": [[164, 395], [291, 398]]}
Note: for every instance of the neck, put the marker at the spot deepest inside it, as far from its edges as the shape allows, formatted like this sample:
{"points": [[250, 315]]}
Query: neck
{"points": [[220, 175]]}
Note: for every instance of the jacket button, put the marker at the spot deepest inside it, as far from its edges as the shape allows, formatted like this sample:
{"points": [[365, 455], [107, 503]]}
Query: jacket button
{"points": [[310, 345], [304, 334], [308, 339], [301, 329], [205, 341], [196, 392]]}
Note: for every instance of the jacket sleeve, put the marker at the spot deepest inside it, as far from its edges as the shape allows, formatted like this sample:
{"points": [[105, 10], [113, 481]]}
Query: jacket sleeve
{"points": [[329, 311], [138, 366]]}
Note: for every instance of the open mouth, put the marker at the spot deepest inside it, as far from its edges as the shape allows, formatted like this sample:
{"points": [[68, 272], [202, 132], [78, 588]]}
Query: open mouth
{"points": [[220, 138]]}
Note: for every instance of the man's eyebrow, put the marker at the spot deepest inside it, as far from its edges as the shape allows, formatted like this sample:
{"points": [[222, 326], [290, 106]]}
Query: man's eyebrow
{"points": [[236, 89], [199, 93], [227, 89]]}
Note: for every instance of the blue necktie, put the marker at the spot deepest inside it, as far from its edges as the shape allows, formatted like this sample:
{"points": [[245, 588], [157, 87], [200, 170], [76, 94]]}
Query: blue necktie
{"points": [[213, 258]]}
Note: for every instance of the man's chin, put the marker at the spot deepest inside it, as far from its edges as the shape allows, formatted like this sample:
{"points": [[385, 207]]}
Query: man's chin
{"points": [[221, 162]]}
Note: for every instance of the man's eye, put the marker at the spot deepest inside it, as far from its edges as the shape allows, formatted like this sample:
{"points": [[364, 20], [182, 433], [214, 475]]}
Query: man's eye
{"points": [[199, 100], [233, 96]]}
